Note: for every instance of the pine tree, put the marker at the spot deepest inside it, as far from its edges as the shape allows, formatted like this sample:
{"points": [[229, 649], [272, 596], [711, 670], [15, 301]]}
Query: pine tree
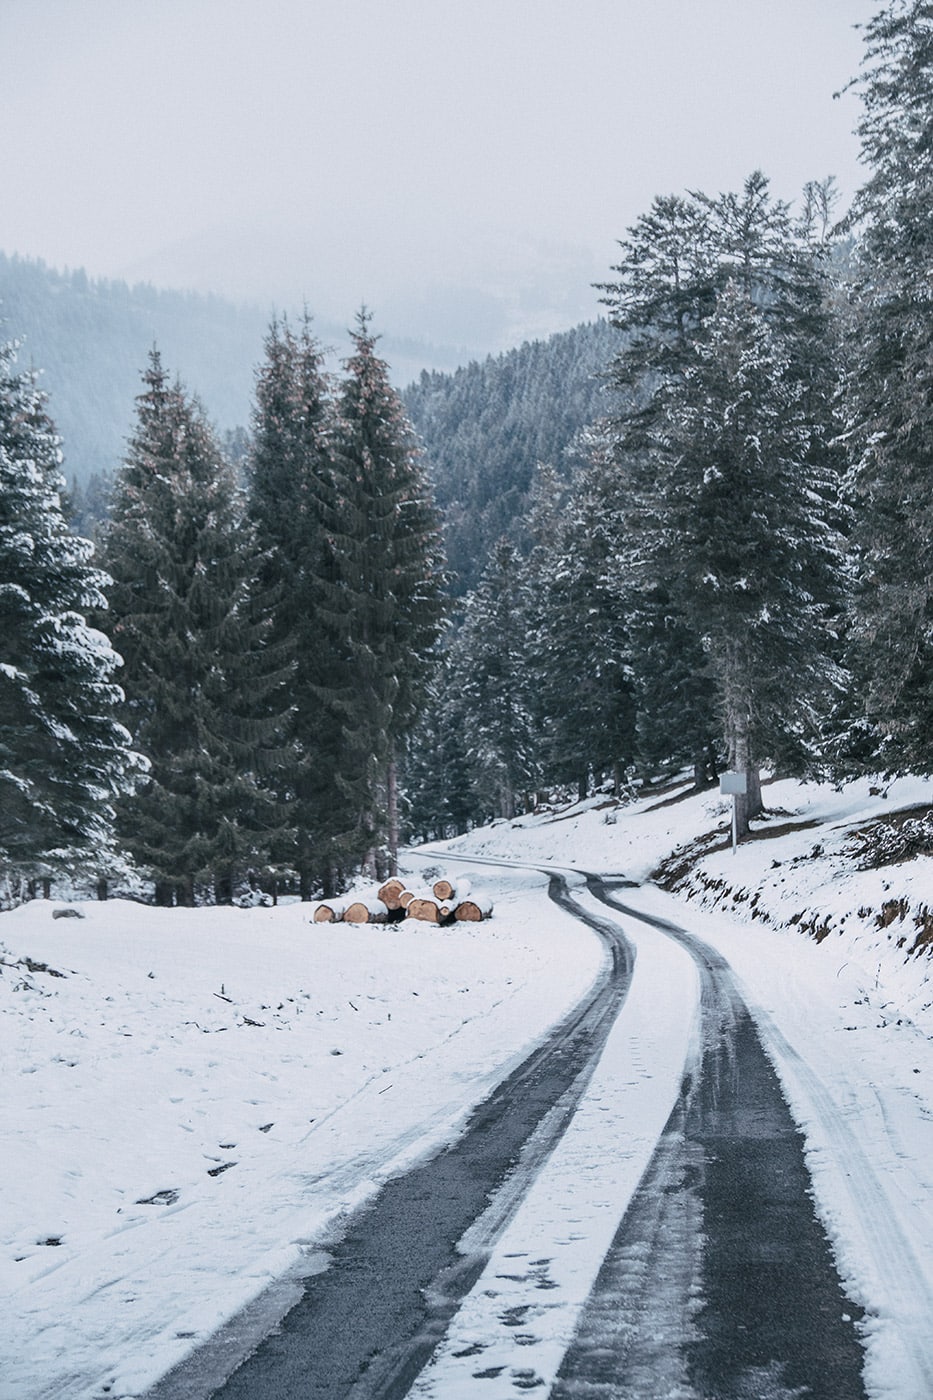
{"points": [[722, 473], [436, 775], [383, 595], [291, 497], [63, 754], [890, 391], [205, 694], [743, 528], [578, 653]]}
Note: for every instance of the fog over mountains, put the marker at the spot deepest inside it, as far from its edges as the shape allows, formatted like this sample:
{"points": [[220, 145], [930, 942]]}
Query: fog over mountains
{"points": [[90, 339], [486, 421]]}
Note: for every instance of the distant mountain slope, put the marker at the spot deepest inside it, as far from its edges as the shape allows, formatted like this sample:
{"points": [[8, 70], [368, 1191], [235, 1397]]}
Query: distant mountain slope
{"points": [[486, 427], [91, 340]]}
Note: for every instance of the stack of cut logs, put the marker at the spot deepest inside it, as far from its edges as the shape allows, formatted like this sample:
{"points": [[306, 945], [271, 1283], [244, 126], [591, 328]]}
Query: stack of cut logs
{"points": [[444, 902]]}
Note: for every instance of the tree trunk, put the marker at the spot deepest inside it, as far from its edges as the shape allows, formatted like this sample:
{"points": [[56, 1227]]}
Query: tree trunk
{"points": [[304, 867], [740, 761], [102, 887], [392, 814]]}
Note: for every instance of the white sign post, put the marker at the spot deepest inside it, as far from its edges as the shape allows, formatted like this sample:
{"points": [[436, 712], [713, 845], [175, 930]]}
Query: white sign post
{"points": [[736, 784]]}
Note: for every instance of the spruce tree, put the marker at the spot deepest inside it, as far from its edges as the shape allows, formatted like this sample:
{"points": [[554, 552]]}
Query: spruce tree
{"points": [[578, 654], [724, 473], [382, 597], [437, 778], [742, 526], [890, 392], [493, 706], [205, 693], [291, 497], [63, 754]]}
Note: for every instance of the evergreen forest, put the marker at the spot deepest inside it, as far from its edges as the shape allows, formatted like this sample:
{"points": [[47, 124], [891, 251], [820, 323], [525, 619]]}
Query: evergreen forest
{"points": [[693, 537]]}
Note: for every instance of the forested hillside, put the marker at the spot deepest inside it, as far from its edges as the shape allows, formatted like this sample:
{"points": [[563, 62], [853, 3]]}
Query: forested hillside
{"points": [[91, 340], [720, 560], [486, 427]]}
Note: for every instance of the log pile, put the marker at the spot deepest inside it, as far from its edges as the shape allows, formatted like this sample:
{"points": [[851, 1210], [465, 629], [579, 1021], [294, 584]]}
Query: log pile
{"points": [[447, 901]]}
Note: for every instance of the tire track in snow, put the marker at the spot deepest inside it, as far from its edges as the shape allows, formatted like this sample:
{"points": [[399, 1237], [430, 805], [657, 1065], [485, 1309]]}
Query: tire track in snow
{"points": [[367, 1322], [752, 1306]]}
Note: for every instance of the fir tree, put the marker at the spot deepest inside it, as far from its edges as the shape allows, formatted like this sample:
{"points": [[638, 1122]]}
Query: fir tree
{"points": [[493, 705], [723, 474], [437, 779], [383, 595], [203, 688], [742, 525], [578, 653], [63, 754], [291, 496], [890, 391]]}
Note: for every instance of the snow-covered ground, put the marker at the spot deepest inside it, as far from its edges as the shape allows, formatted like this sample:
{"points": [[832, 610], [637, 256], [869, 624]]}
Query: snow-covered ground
{"points": [[191, 1107], [202, 1094], [847, 1020]]}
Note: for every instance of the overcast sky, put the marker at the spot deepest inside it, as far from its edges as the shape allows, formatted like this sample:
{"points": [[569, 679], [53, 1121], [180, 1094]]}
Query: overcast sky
{"points": [[465, 167]]}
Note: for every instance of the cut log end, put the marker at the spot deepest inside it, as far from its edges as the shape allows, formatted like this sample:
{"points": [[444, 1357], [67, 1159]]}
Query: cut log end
{"points": [[364, 912], [391, 892], [425, 910], [473, 911], [327, 913]]}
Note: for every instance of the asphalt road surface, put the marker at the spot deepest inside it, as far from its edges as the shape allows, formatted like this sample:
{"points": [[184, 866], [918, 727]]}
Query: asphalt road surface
{"points": [[720, 1282], [366, 1324], [719, 1285]]}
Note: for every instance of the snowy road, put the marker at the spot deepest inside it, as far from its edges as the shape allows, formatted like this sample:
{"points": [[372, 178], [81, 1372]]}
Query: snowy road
{"points": [[718, 1280], [369, 1321], [630, 1215]]}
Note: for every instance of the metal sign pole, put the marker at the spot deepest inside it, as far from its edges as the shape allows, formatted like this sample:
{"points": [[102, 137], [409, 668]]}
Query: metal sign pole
{"points": [[735, 823]]}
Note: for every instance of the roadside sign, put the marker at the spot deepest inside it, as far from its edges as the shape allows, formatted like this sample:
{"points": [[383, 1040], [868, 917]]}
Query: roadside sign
{"points": [[734, 783]]}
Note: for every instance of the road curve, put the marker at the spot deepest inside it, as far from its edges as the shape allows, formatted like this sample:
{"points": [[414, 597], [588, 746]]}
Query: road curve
{"points": [[720, 1281], [366, 1324], [719, 1284]]}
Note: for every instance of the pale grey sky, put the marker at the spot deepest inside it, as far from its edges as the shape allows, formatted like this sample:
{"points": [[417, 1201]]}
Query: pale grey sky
{"points": [[463, 166]]}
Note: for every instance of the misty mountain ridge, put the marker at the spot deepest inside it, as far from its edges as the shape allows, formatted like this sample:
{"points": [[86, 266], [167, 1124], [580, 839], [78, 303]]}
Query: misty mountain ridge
{"points": [[90, 339], [485, 422]]}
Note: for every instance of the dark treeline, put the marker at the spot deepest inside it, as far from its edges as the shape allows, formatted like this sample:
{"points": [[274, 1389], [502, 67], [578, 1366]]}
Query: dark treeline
{"points": [[266, 634], [730, 568]]}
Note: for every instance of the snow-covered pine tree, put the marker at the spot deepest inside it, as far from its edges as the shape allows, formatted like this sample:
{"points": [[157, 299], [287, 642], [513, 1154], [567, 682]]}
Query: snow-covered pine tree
{"points": [[382, 597], [205, 693], [291, 495], [890, 391], [437, 779], [757, 307], [743, 528], [63, 754]]}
